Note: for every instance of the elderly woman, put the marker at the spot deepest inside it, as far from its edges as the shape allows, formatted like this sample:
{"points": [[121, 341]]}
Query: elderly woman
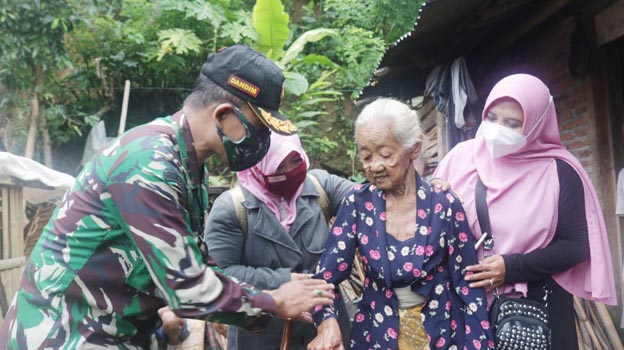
{"points": [[415, 244]]}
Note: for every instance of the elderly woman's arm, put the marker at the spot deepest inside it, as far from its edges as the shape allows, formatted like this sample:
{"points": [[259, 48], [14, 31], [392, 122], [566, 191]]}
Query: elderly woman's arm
{"points": [[337, 260], [474, 304]]}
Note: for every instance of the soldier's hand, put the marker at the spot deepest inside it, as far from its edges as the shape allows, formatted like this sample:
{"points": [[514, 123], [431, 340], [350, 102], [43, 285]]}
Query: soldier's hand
{"points": [[172, 325], [295, 298]]}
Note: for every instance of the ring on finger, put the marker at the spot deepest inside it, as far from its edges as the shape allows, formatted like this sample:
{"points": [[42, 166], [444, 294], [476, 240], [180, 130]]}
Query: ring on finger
{"points": [[318, 293], [491, 282]]}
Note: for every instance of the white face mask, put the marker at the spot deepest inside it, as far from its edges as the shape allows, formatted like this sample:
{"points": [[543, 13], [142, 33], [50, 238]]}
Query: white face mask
{"points": [[501, 140]]}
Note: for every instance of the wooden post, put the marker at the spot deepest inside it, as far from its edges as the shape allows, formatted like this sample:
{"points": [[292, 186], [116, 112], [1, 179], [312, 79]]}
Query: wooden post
{"points": [[609, 327], [6, 228], [124, 108], [441, 126]]}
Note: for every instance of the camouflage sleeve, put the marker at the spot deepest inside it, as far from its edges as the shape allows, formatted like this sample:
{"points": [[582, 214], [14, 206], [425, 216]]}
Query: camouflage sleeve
{"points": [[151, 205]]}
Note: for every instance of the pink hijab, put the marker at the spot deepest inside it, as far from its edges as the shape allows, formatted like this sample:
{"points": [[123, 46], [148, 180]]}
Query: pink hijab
{"points": [[523, 190], [252, 178]]}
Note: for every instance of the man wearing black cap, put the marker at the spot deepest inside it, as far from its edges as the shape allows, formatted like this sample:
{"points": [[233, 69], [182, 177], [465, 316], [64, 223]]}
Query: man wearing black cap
{"points": [[122, 243]]}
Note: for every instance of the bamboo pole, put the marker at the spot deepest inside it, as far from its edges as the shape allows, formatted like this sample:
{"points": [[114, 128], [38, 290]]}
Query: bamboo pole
{"points": [[585, 321], [580, 335], [602, 337], [610, 329], [124, 109]]}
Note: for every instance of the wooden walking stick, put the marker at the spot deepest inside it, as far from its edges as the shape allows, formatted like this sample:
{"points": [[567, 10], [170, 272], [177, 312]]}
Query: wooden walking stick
{"points": [[286, 335]]}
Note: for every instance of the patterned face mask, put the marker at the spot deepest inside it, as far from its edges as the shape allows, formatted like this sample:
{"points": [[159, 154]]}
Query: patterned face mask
{"points": [[250, 149]]}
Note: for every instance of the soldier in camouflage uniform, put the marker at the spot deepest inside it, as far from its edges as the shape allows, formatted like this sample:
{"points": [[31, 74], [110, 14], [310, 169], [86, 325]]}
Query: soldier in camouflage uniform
{"points": [[122, 243]]}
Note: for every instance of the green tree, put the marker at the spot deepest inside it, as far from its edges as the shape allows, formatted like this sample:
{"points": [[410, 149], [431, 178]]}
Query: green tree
{"points": [[303, 102], [31, 39], [72, 57]]}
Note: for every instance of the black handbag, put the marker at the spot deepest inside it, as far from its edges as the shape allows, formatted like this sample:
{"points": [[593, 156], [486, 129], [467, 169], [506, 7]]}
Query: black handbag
{"points": [[517, 323]]}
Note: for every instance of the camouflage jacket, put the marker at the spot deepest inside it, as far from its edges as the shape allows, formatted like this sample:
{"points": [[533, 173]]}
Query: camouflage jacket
{"points": [[122, 244]]}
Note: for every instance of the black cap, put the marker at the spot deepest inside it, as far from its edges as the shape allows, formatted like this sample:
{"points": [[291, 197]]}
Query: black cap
{"points": [[250, 75]]}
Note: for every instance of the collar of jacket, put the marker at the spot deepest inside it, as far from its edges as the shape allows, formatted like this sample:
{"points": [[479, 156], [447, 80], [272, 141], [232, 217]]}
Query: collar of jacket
{"points": [[188, 155]]}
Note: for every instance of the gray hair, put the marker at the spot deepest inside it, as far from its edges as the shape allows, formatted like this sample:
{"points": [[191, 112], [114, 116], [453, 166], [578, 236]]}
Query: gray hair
{"points": [[404, 120]]}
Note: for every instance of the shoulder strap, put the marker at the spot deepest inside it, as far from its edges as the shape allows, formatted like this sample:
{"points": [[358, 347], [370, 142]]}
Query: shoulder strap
{"points": [[322, 199], [238, 197], [483, 214]]}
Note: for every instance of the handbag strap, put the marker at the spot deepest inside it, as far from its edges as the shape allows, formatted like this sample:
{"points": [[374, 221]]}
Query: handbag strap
{"points": [[483, 215]]}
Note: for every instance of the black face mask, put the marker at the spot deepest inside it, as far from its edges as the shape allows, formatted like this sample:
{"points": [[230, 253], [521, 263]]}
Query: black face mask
{"points": [[249, 150]]}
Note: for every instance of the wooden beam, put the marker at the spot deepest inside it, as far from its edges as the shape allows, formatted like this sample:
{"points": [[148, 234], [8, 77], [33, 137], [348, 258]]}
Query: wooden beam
{"points": [[540, 15], [502, 10], [6, 226], [7, 180], [15, 182], [8, 264], [441, 133], [609, 24]]}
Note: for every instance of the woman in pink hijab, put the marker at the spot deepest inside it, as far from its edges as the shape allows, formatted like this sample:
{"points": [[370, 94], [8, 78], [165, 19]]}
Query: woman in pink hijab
{"points": [[545, 217], [282, 235]]}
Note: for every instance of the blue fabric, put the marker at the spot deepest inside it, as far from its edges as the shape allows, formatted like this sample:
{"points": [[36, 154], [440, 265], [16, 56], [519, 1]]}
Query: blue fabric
{"points": [[455, 316]]}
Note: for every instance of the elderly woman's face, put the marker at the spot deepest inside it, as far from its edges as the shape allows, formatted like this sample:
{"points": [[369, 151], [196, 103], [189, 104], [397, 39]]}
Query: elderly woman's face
{"points": [[385, 160]]}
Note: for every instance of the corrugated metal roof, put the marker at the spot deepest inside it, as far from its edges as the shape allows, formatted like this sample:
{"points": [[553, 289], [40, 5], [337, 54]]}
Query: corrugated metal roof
{"points": [[444, 30]]}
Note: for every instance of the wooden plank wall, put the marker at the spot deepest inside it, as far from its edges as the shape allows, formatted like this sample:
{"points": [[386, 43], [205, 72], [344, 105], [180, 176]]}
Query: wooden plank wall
{"points": [[12, 251], [432, 125]]}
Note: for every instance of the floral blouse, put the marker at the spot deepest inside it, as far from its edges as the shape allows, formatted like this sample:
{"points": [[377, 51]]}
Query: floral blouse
{"points": [[454, 315]]}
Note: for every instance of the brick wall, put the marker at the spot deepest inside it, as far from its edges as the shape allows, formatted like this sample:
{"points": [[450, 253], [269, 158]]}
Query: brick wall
{"points": [[545, 55]]}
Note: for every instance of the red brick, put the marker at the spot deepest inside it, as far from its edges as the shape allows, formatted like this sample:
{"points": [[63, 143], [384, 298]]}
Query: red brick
{"points": [[567, 115], [573, 124], [584, 153], [579, 88], [577, 144], [582, 130], [567, 136], [580, 110], [576, 101], [560, 78]]}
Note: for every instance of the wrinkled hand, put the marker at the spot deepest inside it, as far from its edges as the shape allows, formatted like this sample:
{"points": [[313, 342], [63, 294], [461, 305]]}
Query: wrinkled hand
{"points": [[295, 298], [172, 325], [328, 336], [441, 184], [488, 273]]}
